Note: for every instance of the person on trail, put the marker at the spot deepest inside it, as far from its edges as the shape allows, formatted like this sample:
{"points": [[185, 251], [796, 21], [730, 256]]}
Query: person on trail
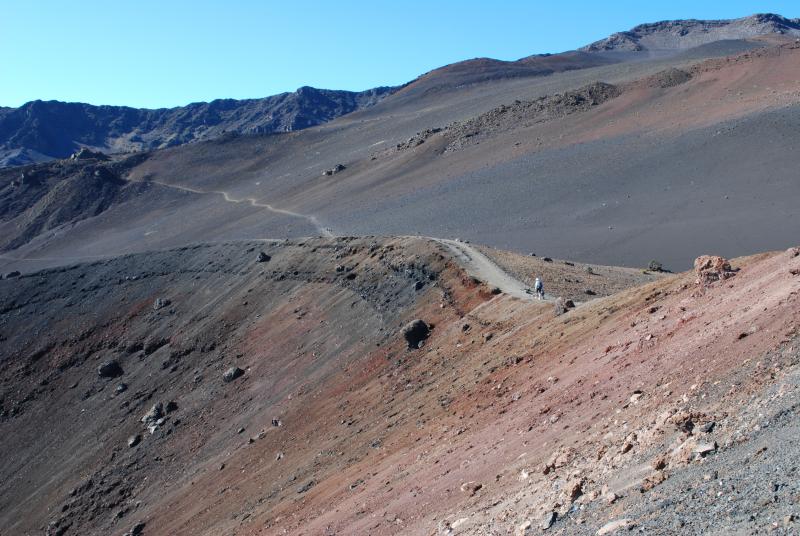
{"points": [[539, 288]]}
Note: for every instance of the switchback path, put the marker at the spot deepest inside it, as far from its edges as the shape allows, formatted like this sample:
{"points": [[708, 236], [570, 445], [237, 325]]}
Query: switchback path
{"points": [[324, 231]]}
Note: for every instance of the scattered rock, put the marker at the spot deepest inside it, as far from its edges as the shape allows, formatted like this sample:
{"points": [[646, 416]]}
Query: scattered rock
{"points": [[305, 487], [471, 487], [496, 291], [708, 427], [134, 440], [660, 462], [160, 303], [561, 306], [704, 448], [590, 292], [334, 170], [232, 374], [655, 266], [415, 333], [613, 526], [524, 529], [153, 416], [263, 257], [652, 481], [573, 489], [110, 369], [548, 519]]}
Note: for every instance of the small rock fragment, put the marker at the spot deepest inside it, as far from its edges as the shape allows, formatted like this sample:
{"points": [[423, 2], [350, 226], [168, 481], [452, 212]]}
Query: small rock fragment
{"points": [[613, 526], [471, 487], [548, 519]]}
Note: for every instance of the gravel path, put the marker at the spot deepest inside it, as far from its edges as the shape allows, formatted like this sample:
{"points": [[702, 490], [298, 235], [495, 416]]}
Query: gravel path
{"points": [[479, 265]]}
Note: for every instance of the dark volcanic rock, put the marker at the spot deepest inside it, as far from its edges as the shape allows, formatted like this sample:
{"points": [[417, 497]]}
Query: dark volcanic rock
{"points": [[232, 374], [110, 369], [416, 332]]}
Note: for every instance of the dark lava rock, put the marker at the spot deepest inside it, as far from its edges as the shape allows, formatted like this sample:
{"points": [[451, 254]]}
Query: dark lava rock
{"points": [[263, 257], [171, 406], [110, 369], [334, 170], [134, 440], [305, 487], [232, 373], [416, 332], [15, 273]]}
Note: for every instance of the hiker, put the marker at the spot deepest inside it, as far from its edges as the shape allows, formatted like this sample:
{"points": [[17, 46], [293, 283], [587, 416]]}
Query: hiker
{"points": [[539, 288]]}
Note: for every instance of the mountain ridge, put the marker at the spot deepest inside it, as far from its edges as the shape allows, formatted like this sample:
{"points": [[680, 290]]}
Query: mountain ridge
{"points": [[686, 33], [43, 130]]}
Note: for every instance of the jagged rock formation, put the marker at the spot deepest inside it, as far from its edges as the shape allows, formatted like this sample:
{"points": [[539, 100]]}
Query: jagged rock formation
{"points": [[39, 130], [684, 34]]}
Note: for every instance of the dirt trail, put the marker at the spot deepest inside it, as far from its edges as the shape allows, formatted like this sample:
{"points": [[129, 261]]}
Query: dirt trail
{"points": [[479, 265], [324, 231]]}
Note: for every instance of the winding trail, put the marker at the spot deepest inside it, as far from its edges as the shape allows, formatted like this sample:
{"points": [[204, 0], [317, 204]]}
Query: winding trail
{"points": [[324, 231], [479, 265]]}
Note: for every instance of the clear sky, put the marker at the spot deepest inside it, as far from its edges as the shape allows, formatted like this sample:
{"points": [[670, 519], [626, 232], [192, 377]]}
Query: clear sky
{"points": [[171, 52]]}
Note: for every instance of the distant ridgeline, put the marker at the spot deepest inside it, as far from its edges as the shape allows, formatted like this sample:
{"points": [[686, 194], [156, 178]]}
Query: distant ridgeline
{"points": [[39, 131]]}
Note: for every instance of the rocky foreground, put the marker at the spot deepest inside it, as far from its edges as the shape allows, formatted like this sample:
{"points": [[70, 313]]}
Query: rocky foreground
{"points": [[372, 386]]}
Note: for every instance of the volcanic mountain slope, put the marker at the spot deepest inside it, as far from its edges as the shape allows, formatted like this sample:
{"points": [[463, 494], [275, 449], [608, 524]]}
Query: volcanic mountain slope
{"points": [[38, 130], [640, 406], [663, 158]]}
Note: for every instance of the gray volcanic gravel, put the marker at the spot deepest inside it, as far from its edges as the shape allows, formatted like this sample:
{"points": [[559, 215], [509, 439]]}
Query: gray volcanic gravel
{"points": [[619, 201]]}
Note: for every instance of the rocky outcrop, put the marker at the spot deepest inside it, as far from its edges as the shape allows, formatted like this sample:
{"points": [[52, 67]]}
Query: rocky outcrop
{"points": [[711, 268]]}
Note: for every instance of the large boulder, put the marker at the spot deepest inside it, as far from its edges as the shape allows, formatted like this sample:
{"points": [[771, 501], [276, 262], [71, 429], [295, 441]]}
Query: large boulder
{"points": [[561, 306], [110, 369], [711, 268], [231, 374], [416, 332]]}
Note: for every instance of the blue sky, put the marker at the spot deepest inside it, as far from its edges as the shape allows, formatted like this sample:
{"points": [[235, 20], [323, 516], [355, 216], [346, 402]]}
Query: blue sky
{"points": [[171, 52]]}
